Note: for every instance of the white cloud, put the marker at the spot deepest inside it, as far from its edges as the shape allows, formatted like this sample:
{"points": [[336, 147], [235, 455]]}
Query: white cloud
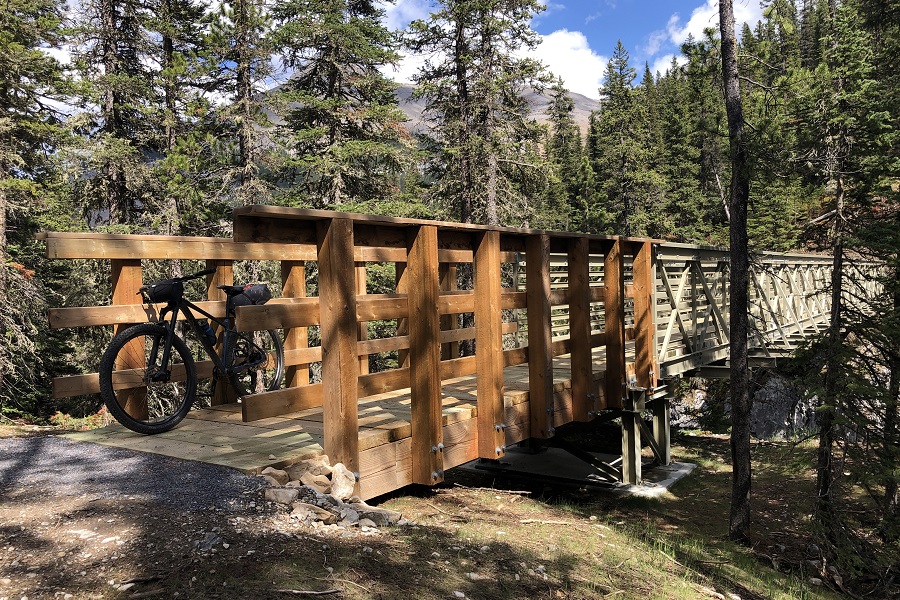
{"points": [[707, 15], [568, 54], [662, 63], [398, 14]]}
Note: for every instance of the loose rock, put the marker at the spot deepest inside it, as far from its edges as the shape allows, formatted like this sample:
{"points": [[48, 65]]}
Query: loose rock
{"points": [[343, 482], [319, 482], [282, 495], [277, 474]]}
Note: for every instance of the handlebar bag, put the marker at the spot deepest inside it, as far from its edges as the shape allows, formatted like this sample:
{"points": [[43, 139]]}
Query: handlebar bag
{"points": [[253, 294], [165, 290]]}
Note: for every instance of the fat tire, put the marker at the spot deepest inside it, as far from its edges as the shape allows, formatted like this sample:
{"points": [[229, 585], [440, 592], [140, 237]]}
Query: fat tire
{"points": [[107, 366]]}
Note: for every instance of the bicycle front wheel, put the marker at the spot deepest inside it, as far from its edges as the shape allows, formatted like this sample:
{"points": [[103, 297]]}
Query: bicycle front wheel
{"points": [[141, 392]]}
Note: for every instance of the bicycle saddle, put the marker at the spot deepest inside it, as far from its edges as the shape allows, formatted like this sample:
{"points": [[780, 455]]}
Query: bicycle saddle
{"points": [[231, 290]]}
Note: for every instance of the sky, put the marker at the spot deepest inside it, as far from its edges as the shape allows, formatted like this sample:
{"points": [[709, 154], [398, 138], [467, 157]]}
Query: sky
{"points": [[578, 36]]}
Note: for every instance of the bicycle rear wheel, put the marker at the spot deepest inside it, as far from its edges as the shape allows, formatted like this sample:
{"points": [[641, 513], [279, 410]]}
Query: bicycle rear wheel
{"points": [[140, 392], [258, 361]]}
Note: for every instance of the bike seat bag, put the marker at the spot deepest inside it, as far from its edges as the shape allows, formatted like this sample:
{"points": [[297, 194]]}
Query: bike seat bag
{"points": [[165, 290], [253, 294]]}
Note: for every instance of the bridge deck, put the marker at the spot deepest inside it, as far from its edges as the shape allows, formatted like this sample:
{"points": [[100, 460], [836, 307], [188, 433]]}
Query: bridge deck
{"points": [[219, 436]]}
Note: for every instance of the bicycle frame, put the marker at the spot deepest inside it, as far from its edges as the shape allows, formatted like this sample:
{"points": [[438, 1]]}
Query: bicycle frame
{"points": [[222, 365]]}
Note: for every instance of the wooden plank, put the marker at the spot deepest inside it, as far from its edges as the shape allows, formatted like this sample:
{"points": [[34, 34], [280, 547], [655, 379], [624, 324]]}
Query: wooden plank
{"points": [[362, 326], [540, 355], [580, 328], [646, 368], [223, 392], [123, 314], [456, 302], [489, 345], [403, 322], [293, 285], [448, 283], [83, 385], [340, 362], [136, 247], [615, 327], [126, 281], [281, 402], [281, 313], [425, 356]]}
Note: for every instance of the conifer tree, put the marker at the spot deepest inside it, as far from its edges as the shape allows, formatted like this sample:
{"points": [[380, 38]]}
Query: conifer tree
{"points": [[564, 152], [114, 96], [343, 126], [473, 85], [240, 45], [29, 79]]}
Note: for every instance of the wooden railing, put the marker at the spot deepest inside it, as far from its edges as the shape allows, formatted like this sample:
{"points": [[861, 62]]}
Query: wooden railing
{"points": [[625, 311]]}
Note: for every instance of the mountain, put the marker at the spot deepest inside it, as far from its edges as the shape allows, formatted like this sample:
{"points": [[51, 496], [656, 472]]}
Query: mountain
{"points": [[415, 108]]}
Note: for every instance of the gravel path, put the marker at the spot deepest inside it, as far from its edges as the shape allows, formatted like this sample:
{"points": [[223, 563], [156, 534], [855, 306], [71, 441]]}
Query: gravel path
{"points": [[61, 467]]}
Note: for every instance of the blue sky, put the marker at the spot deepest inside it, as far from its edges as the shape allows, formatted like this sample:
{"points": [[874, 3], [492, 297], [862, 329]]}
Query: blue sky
{"points": [[578, 36]]}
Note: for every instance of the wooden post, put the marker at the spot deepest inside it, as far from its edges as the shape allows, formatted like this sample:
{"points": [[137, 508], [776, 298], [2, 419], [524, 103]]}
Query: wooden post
{"points": [[223, 392], [540, 353], [580, 328], [489, 345], [614, 305], [425, 356], [447, 274], [126, 281], [403, 323], [631, 440], [644, 318], [362, 326], [340, 363], [293, 285], [661, 424]]}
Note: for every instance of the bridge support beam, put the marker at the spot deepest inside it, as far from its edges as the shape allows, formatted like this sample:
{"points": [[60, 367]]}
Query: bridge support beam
{"points": [[635, 402], [661, 424]]}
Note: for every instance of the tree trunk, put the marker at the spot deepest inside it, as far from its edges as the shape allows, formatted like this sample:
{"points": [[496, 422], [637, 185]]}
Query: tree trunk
{"points": [[891, 527], [461, 52], [739, 524], [824, 455], [3, 279], [244, 90], [115, 179]]}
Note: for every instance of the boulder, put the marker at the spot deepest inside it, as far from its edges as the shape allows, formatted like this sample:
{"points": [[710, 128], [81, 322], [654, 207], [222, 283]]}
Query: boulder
{"points": [[318, 482], [282, 495], [780, 412], [380, 516], [312, 511], [315, 466], [343, 482], [277, 474]]}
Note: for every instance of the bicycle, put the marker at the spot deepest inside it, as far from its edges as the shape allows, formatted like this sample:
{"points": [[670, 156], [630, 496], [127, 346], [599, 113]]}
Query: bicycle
{"points": [[148, 378]]}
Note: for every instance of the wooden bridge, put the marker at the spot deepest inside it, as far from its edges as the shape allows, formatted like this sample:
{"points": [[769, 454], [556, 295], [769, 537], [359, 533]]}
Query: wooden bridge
{"points": [[566, 327]]}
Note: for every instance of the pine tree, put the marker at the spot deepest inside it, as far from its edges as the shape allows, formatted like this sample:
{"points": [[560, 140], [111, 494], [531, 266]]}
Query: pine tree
{"points": [[564, 153], [29, 79], [474, 91], [620, 152], [343, 126], [240, 45], [115, 97]]}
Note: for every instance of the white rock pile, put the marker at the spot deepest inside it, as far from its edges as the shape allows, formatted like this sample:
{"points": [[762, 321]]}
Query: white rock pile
{"points": [[322, 495]]}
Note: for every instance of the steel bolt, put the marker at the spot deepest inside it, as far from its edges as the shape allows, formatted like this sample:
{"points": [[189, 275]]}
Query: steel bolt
{"points": [[434, 475], [440, 447]]}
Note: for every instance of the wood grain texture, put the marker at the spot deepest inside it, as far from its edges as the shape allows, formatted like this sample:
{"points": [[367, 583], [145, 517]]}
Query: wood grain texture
{"points": [[340, 362], [425, 355], [615, 326], [646, 368], [293, 285], [223, 392], [580, 328], [540, 349], [126, 281], [489, 345]]}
